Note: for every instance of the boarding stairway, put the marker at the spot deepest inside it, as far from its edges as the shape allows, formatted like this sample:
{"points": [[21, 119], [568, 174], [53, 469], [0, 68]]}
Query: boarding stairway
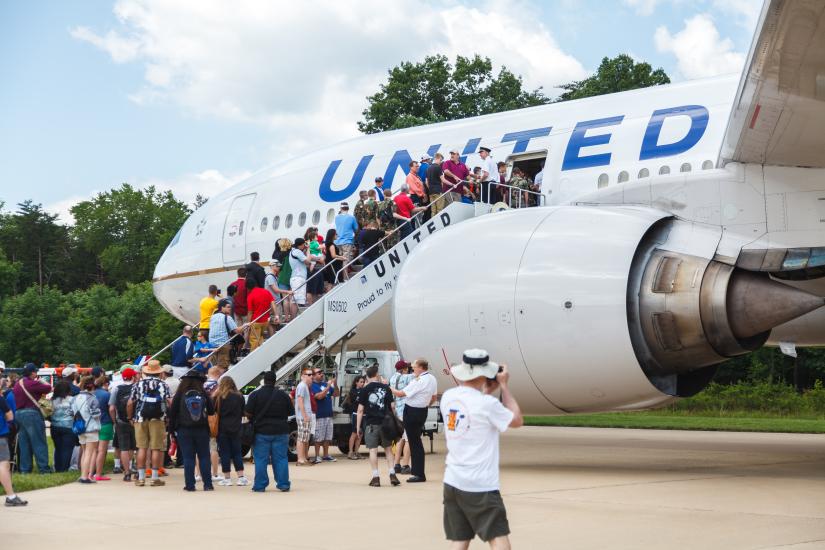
{"points": [[337, 313]]}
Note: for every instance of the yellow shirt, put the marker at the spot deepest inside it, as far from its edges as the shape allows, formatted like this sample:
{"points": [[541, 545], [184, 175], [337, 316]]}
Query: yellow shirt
{"points": [[208, 307]]}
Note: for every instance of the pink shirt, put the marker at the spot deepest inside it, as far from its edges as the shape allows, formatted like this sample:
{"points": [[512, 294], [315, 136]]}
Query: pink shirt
{"points": [[459, 169], [416, 185]]}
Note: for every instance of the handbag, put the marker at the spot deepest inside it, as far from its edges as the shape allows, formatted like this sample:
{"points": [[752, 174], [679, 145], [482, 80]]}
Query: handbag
{"points": [[44, 405], [215, 420], [392, 427]]}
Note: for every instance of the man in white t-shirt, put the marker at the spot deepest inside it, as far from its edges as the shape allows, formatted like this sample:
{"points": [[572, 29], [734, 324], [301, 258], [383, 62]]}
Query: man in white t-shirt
{"points": [[473, 420], [488, 172]]}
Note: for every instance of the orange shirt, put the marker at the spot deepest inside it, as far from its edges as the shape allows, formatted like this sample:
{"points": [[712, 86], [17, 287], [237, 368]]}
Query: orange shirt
{"points": [[416, 185]]}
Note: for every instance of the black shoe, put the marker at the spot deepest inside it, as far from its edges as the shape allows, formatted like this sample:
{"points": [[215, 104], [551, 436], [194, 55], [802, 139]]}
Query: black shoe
{"points": [[209, 488], [397, 468], [394, 480], [406, 470], [190, 489], [117, 470], [127, 477], [416, 479], [16, 501], [375, 482]]}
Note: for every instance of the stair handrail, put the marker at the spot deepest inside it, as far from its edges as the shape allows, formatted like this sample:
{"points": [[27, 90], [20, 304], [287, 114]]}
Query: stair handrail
{"points": [[391, 233]]}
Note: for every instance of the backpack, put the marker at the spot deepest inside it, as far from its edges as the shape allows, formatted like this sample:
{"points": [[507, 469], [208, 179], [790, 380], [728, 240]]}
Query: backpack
{"points": [[151, 404], [194, 402], [79, 423], [121, 400], [385, 215]]}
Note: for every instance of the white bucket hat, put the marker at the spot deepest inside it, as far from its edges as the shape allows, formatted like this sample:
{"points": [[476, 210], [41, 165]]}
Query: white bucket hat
{"points": [[474, 363]]}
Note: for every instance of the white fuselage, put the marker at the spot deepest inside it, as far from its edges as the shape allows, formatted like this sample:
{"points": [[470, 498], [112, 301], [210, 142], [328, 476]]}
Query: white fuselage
{"points": [[591, 145]]}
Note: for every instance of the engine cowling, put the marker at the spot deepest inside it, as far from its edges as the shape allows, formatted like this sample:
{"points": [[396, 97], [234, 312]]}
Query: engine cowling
{"points": [[592, 308]]}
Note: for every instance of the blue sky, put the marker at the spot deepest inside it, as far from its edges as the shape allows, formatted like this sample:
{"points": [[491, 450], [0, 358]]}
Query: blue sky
{"points": [[192, 96]]}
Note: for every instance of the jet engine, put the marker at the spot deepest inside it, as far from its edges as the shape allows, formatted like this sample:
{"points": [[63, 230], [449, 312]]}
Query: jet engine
{"points": [[592, 309]]}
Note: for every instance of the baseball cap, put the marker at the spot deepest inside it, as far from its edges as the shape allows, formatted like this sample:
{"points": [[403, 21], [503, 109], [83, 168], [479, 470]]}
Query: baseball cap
{"points": [[401, 365], [345, 205], [128, 373]]}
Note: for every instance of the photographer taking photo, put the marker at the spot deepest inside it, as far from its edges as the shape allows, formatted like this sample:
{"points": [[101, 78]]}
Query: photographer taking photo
{"points": [[474, 418]]}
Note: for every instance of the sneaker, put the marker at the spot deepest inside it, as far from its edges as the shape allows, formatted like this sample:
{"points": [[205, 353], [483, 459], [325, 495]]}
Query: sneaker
{"points": [[102, 478], [406, 470], [226, 482], [85, 481], [127, 477], [163, 473], [352, 456], [117, 470], [243, 481], [397, 468], [197, 478], [316, 460], [375, 482], [394, 480], [157, 483], [329, 459], [216, 477], [16, 501], [139, 482]]}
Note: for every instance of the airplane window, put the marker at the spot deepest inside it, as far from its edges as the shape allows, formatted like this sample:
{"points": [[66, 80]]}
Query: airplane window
{"points": [[240, 229], [330, 215], [316, 217], [302, 219], [664, 170], [288, 221], [685, 167], [276, 221], [707, 165], [604, 179], [643, 173], [263, 224], [623, 176]]}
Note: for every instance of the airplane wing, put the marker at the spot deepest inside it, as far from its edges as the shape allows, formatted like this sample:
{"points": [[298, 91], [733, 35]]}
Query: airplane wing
{"points": [[778, 116]]}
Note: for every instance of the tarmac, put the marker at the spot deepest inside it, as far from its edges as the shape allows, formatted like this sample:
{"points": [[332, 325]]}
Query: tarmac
{"points": [[570, 488]]}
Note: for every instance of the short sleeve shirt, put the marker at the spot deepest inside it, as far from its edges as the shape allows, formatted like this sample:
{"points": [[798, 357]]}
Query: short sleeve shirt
{"points": [[404, 205], [258, 301], [376, 399], [4, 408], [219, 323], [473, 422], [303, 391], [296, 262], [208, 306], [325, 404], [434, 173], [141, 391]]}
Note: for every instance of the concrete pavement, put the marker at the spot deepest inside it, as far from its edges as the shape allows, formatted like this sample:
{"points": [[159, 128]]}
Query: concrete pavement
{"points": [[570, 488]]}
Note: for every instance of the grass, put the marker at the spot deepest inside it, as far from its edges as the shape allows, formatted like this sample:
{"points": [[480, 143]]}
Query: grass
{"points": [[32, 482], [663, 420]]}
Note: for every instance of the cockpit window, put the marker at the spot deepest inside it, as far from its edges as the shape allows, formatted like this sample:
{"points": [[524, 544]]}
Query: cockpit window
{"points": [[176, 238]]}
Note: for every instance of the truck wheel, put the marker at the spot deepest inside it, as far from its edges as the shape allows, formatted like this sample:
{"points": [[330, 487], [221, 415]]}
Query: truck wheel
{"points": [[292, 445], [341, 434]]}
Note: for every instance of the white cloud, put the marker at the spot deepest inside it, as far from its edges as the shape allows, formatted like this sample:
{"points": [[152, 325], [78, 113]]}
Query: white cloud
{"points": [[304, 69], [746, 12], [207, 183], [699, 49], [642, 7]]}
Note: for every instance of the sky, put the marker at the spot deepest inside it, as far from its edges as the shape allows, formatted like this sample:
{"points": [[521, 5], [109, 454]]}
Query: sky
{"points": [[195, 95]]}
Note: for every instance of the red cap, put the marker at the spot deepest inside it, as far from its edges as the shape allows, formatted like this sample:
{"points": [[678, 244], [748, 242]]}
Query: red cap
{"points": [[402, 365], [128, 373]]}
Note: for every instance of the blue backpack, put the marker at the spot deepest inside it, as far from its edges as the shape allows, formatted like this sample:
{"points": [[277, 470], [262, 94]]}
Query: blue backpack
{"points": [[195, 403], [79, 424]]}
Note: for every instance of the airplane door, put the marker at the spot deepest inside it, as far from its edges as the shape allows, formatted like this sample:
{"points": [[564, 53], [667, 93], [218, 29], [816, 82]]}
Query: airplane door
{"points": [[235, 229]]}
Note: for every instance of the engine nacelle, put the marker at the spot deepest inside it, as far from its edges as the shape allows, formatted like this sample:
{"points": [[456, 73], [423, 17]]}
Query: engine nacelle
{"points": [[592, 308]]}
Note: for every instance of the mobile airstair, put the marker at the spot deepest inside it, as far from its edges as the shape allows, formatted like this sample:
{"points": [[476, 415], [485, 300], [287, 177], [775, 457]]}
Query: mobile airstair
{"points": [[335, 315]]}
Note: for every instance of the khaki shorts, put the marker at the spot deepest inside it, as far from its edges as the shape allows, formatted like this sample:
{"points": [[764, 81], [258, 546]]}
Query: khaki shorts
{"points": [[151, 434], [220, 359], [374, 437], [88, 437], [469, 514], [437, 205]]}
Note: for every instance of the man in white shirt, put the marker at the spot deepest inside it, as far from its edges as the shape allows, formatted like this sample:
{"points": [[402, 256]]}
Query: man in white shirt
{"points": [[474, 418], [488, 172], [418, 395]]}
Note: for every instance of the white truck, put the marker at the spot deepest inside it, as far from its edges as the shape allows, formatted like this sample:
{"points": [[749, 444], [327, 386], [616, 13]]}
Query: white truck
{"points": [[347, 369]]}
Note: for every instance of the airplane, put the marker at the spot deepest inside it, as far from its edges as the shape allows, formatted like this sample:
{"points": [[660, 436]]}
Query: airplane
{"points": [[683, 224]]}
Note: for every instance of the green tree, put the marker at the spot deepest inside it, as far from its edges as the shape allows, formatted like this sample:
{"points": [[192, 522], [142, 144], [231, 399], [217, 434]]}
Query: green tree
{"points": [[127, 230], [618, 74], [434, 91], [32, 326], [37, 245], [91, 333]]}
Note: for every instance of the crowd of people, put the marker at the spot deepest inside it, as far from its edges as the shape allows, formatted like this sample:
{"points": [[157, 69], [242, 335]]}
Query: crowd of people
{"points": [[199, 421]]}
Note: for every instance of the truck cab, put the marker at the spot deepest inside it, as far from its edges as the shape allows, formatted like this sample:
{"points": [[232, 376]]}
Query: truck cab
{"points": [[354, 363]]}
